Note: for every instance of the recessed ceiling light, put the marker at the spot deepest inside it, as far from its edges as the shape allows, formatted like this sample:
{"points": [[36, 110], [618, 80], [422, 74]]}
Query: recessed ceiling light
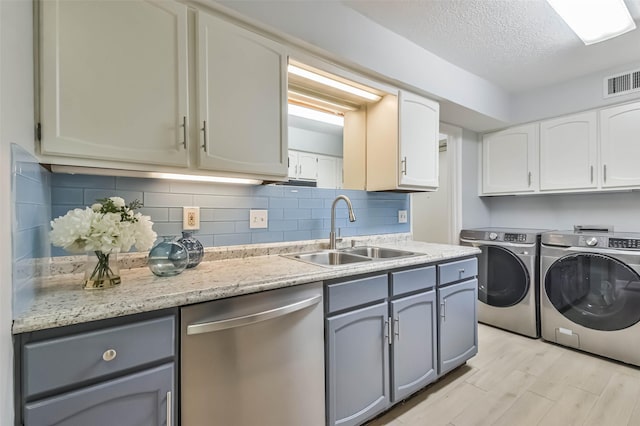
{"points": [[595, 20]]}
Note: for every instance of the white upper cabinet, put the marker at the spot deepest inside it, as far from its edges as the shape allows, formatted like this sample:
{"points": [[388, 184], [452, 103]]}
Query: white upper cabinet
{"points": [[114, 81], [242, 98], [510, 160], [568, 152], [419, 139], [402, 144], [619, 147]]}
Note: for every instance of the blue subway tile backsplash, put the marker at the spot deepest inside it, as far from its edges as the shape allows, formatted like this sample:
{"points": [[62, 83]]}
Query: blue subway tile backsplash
{"points": [[295, 213], [31, 201]]}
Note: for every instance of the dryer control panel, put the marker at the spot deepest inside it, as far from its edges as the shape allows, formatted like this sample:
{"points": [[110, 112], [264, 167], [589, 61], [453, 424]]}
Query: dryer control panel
{"points": [[626, 243], [515, 238]]}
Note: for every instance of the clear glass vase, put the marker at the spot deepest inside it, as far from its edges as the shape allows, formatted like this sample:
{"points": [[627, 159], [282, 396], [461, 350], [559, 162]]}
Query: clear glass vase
{"points": [[101, 270], [194, 247], [168, 257]]}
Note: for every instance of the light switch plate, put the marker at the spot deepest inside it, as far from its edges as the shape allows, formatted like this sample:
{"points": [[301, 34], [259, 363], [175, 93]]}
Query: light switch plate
{"points": [[258, 219], [190, 218], [402, 216]]}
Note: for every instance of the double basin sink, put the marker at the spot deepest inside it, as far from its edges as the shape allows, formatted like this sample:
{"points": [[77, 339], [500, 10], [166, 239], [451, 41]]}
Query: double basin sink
{"points": [[350, 255]]}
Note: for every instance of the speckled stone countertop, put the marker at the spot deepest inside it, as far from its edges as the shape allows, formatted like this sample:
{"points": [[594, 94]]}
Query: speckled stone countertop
{"points": [[60, 299]]}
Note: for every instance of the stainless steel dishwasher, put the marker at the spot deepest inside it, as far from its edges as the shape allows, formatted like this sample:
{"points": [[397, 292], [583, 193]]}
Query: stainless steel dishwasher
{"points": [[255, 359]]}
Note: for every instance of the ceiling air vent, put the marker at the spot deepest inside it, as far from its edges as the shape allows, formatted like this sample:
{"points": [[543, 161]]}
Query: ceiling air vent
{"points": [[622, 84]]}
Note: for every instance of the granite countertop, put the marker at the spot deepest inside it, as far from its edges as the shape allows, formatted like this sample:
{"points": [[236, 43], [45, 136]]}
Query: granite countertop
{"points": [[61, 300]]}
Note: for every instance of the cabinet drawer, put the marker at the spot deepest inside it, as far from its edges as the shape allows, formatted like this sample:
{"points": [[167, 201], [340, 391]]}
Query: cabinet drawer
{"points": [[356, 292], [59, 362], [456, 271], [412, 280]]}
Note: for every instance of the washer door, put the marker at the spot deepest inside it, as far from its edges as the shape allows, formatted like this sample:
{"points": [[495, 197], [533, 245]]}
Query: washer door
{"points": [[595, 291], [503, 280]]}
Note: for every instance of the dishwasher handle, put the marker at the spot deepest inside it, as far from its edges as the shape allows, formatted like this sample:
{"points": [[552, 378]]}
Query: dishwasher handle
{"points": [[208, 327]]}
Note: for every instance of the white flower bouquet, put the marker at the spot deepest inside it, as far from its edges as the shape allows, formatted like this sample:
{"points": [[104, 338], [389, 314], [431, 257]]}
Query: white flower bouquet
{"points": [[107, 227]]}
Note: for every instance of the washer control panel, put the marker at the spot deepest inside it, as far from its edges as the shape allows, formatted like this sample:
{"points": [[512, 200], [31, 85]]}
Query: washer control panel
{"points": [[591, 241], [515, 238], [626, 243]]}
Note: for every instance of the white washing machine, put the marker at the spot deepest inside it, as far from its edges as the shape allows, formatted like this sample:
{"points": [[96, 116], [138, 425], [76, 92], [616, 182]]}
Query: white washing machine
{"points": [[507, 277], [590, 293]]}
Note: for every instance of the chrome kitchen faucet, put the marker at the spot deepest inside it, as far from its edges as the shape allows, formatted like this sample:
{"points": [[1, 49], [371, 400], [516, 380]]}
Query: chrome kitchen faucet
{"points": [[352, 218]]}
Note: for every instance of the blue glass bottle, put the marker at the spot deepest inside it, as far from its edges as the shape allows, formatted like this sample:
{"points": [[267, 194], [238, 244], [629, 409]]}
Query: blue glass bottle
{"points": [[168, 257], [194, 247]]}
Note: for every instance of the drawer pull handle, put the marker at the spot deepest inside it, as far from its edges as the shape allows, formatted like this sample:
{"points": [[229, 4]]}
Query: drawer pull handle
{"points": [[109, 355]]}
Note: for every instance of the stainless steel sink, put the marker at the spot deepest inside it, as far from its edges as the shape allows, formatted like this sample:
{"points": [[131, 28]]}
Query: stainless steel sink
{"points": [[330, 258], [350, 255], [378, 252]]}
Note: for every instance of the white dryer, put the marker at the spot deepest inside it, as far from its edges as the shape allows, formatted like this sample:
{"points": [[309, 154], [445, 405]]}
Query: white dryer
{"points": [[507, 277], [590, 296]]}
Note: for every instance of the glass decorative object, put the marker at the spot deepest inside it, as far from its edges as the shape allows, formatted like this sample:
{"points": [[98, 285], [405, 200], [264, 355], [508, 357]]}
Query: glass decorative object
{"points": [[194, 247], [101, 270], [168, 257]]}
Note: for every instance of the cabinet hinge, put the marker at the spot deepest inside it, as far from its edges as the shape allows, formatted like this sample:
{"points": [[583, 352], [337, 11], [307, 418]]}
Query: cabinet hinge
{"points": [[39, 132]]}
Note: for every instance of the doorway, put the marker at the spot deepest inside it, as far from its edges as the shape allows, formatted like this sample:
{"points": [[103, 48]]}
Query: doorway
{"points": [[436, 216]]}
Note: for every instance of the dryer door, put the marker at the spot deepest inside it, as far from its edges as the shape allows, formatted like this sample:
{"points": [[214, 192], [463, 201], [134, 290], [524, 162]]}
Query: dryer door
{"points": [[503, 280], [594, 290]]}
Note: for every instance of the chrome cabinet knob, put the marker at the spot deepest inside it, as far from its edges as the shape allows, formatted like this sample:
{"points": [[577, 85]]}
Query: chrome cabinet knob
{"points": [[593, 241], [109, 355]]}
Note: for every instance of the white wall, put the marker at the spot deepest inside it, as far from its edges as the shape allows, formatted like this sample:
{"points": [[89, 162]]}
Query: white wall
{"points": [[576, 95], [562, 211], [16, 126], [475, 210]]}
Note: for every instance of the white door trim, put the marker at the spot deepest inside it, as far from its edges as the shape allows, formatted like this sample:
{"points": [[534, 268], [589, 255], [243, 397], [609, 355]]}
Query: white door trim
{"points": [[454, 154]]}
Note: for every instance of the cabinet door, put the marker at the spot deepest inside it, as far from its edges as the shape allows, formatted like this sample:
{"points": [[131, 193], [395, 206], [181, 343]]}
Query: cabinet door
{"points": [[418, 134], [458, 324], [357, 365], [114, 80], [242, 93], [327, 172], [510, 160], [414, 344], [619, 147], [307, 166], [568, 152], [134, 400], [292, 162]]}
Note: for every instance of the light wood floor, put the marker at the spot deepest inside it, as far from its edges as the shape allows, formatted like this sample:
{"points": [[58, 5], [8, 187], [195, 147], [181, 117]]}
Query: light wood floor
{"points": [[517, 381]]}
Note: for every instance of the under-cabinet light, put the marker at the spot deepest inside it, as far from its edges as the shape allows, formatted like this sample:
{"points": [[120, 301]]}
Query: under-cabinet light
{"points": [[333, 83], [595, 20], [309, 101], [316, 115], [153, 175]]}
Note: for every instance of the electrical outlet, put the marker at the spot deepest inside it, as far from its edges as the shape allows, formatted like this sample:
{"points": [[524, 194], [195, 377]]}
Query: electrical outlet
{"points": [[190, 218], [402, 216], [258, 219]]}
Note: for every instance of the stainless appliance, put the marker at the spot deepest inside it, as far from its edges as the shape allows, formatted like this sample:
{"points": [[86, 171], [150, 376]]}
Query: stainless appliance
{"points": [[590, 297], [507, 277], [256, 359]]}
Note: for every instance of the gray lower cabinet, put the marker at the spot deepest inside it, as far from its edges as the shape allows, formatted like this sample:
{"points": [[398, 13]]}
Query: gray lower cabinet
{"points": [[458, 324], [138, 399], [118, 371], [381, 342], [414, 344], [357, 365]]}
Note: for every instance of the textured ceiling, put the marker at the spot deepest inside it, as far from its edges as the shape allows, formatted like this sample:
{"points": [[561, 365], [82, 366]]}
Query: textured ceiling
{"points": [[519, 45]]}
